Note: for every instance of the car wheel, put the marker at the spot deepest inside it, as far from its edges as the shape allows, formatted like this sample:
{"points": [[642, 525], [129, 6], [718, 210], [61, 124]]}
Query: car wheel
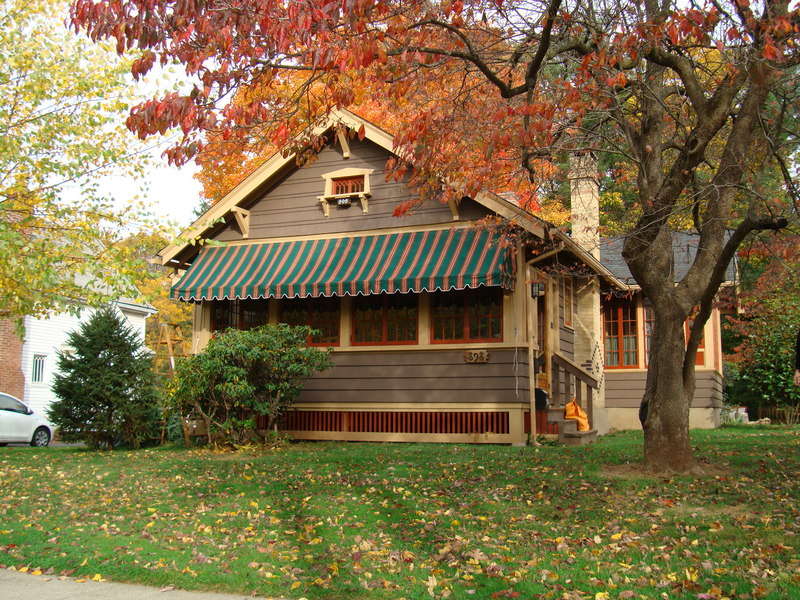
{"points": [[41, 437]]}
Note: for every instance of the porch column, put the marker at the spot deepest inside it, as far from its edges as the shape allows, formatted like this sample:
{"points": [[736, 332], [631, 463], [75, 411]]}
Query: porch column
{"points": [[201, 330]]}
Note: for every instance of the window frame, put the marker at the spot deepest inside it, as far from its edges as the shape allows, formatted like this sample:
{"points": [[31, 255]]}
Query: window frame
{"points": [[618, 307], [469, 295], [38, 364], [309, 317], [568, 291], [237, 310], [384, 298]]}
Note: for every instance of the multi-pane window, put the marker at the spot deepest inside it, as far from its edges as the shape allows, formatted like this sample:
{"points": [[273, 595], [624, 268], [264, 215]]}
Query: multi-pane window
{"points": [[471, 315], [619, 332], [347, 185], [385, 319], [321, 314], [569, 312], [225, 315], [253, 313], [239, 314], [37, 370]]}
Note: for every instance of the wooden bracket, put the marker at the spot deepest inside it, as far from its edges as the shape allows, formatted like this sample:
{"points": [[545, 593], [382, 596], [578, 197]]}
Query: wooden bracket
{"points": [[454, 209], [345, 143], [243, 220]]}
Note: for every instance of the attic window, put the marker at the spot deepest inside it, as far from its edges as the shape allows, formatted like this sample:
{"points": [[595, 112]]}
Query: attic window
{"points": [[348, 185], [344, 187]]}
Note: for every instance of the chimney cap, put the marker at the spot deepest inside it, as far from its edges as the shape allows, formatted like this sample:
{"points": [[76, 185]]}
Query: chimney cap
{"points": [[582, 165]]}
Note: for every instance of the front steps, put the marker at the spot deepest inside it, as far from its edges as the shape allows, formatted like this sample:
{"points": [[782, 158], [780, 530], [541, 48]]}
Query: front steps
{"points": [[568, 433]]}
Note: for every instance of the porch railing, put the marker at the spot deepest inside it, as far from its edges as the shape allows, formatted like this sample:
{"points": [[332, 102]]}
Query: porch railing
{"points": [[568, 379]]}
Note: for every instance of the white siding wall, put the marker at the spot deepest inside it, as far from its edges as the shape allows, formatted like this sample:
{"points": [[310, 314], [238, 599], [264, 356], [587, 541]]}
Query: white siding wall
{"points": [[47, 337]]}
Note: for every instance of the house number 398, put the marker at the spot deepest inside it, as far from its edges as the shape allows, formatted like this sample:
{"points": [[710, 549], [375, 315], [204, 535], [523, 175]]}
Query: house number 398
{"points": [[476, 356]]}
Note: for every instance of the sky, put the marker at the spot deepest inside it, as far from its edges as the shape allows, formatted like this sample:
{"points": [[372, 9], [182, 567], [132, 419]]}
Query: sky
{"points": [[173, 192]]}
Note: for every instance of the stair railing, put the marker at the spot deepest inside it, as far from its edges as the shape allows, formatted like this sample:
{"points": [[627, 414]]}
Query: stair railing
{"points": [[567, 380]]}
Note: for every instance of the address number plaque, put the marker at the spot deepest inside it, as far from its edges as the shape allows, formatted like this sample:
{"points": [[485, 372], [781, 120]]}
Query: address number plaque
{"points": [[476, 356]]}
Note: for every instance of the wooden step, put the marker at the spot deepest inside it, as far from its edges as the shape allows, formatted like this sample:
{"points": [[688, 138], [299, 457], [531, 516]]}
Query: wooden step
{"points": [[578, 438], [568, 433], [555, 414], [566, 425]]}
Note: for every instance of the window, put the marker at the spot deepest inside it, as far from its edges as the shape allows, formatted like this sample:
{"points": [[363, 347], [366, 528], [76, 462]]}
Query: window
{"points": [[239, 314], [385, 319], [321, 314], [37, 371], [253, 313], [342, 185], [347, 185], [568, 314], [12, 404], [619, 333], [471, 315]]}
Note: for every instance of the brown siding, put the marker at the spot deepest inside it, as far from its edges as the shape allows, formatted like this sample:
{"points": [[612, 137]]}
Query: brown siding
{"points": [[566, 334], [290, 207], [12, 380], [420, 376], [624, 389]]}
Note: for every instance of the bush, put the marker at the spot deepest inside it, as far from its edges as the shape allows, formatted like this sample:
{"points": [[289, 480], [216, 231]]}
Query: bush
{"points": [[105, 386], [244, 374], [763, 369]]}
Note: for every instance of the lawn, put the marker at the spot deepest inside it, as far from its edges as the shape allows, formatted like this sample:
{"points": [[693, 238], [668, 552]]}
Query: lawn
{"points": [[336, 520]]}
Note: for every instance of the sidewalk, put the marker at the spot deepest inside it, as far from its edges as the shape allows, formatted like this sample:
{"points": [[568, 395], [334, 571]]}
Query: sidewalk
{"points": [[22, 586]]}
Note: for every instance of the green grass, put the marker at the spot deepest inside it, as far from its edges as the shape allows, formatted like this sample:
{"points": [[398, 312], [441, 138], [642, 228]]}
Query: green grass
{"points": [[334, 520]]}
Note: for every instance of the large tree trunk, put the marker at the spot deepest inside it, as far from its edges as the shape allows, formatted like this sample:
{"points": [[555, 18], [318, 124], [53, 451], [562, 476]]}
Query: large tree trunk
{"points": [[667, 400]]}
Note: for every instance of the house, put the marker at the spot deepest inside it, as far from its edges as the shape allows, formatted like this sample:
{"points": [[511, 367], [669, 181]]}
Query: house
{"points": [[30, 364], [440, 330]]}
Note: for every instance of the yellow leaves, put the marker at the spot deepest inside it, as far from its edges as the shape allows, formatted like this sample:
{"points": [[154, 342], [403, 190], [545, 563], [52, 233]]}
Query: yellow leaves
{"points": [[295, 585]]}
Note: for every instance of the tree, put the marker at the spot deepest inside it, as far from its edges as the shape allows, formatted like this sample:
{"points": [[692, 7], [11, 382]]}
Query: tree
{"points": [[244, 374], [105, 385], [60, 101], [696, 97], [766, 329]]}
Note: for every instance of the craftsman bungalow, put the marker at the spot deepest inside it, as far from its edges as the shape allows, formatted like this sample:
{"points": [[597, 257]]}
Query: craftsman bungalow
{"points": [[441, 330]]}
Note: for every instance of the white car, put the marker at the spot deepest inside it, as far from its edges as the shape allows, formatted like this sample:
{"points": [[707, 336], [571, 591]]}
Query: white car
{"points": [[19, 424]]}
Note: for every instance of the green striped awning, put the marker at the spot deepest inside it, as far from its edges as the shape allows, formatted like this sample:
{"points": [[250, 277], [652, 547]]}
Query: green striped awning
{"points": [[396, 262]]}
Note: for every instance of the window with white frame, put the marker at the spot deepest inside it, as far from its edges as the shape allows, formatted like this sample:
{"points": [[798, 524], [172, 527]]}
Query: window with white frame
{"points": [[37, 370], [345, 186]]}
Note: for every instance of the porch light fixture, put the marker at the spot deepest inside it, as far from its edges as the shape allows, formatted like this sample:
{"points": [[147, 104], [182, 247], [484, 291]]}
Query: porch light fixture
{"points": [[537, 290]]}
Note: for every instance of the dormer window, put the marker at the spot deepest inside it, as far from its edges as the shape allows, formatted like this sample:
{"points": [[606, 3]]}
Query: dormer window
{"points": [[345, 186]]}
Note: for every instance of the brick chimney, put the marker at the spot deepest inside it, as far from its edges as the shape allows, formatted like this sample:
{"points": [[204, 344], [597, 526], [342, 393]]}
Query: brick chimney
{"points": [[585, 201]]}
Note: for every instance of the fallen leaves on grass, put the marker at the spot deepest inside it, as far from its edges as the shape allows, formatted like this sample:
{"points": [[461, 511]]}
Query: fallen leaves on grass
{"points": [[412, 521]]}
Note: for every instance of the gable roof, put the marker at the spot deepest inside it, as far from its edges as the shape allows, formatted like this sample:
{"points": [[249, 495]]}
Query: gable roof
{"points": [[276, 164], [684, 249]]}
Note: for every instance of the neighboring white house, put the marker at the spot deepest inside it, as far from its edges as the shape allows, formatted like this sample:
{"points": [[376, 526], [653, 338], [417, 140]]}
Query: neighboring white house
{"points": [[28, 372]]}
